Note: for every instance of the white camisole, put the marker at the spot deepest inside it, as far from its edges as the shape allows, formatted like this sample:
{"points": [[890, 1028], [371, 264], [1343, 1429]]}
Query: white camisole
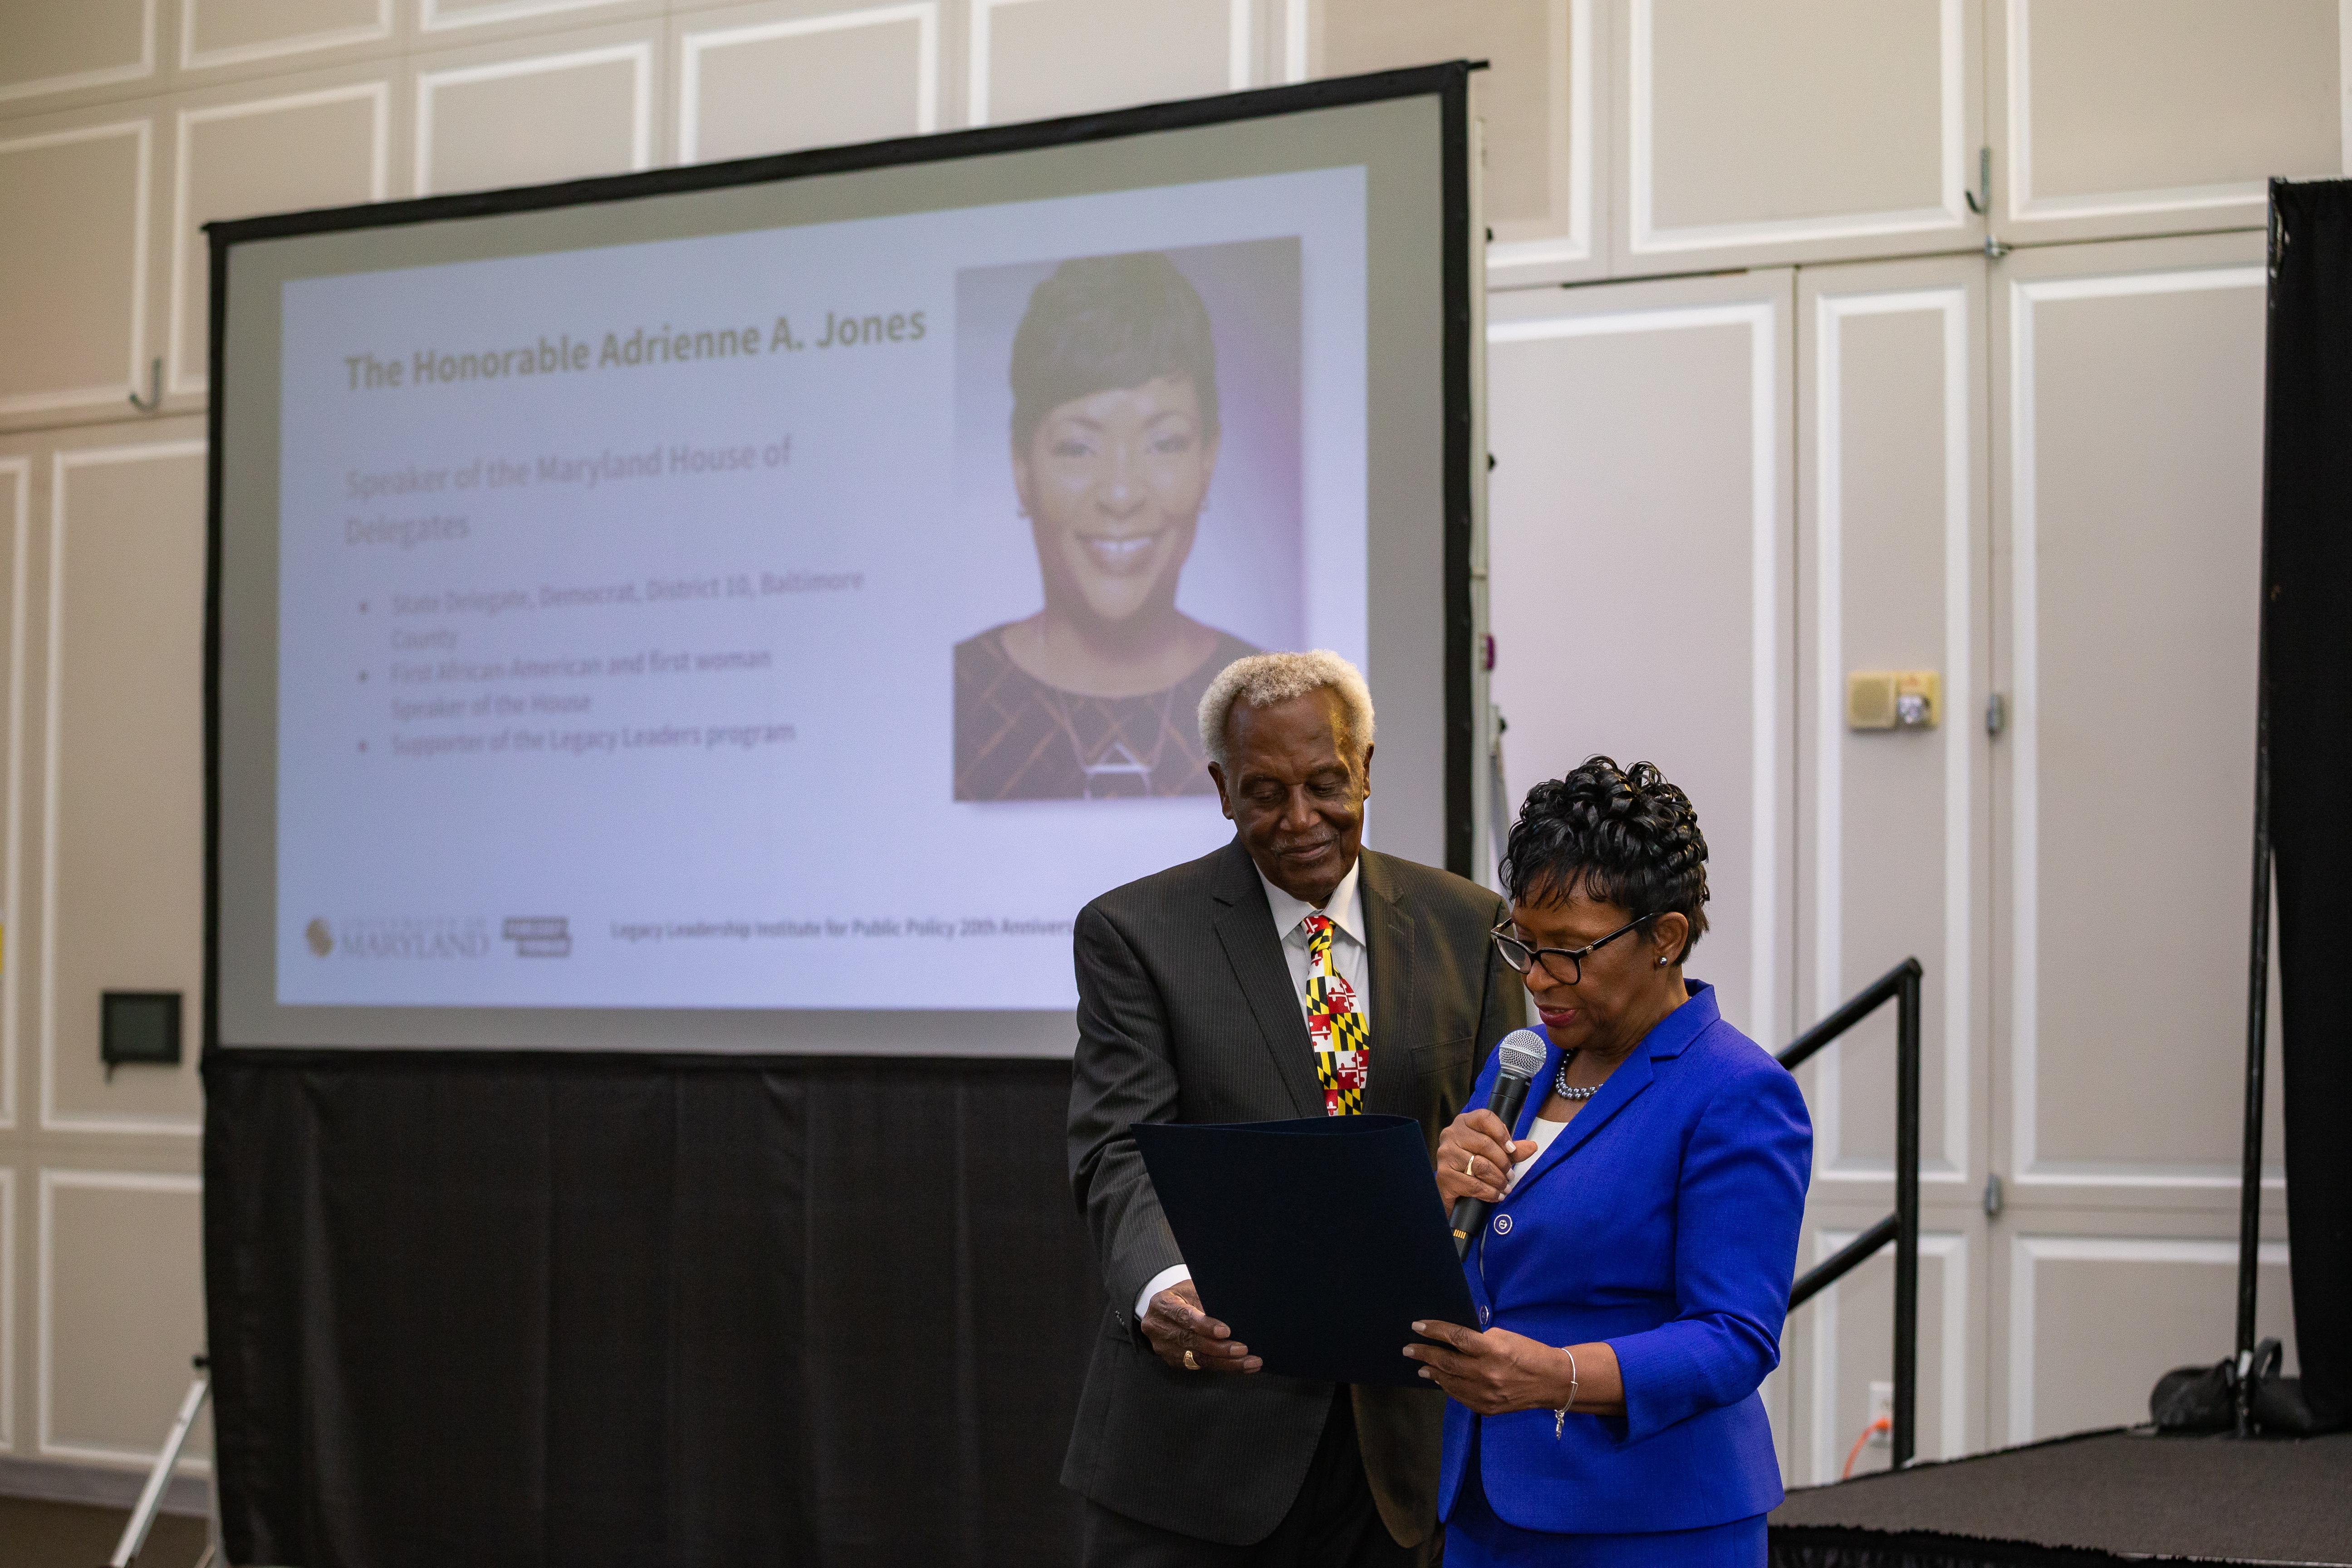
{"points": [[1543, 1132]]}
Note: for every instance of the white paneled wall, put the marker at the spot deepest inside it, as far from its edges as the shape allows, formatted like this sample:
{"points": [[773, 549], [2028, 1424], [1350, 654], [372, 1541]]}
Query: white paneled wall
{"points": [[1539, 98], [1874, 445], [767, 78], [48, 52], [1892, 577], [2063, 1295], [510, 115], [2124, 664], [8, 1310], [1034, 60], [459, 17], [122, 870], [227, 163], [2089, 103], [100, 887], [118, 1254], [94, 171], [17, 512], [1625, 137], [1851, 1340], [1655, 412], [1836, 128], [227, 33]]}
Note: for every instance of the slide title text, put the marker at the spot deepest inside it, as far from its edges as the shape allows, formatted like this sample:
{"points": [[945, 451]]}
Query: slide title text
{"points": [[565, 355]]}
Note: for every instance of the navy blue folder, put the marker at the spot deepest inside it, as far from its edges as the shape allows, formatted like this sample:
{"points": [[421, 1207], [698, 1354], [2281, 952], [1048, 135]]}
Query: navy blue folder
{"points": [[1319, 1242]]}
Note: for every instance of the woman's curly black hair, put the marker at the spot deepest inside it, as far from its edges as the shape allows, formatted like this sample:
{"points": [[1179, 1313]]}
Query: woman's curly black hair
{"points": [[1625, 837]]}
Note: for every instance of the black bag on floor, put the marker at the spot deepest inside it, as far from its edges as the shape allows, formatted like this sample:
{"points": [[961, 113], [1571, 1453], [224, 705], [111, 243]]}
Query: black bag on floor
{"points": [[2205, 1398], [2281, 1410]]}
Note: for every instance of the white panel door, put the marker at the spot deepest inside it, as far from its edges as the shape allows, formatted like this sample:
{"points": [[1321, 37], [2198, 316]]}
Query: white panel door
{"points": [[1838, 1349], [1753, 130], [1894, 562], [1641, 576], [1539, 98], [2128, 415], [527, 113], [1037, 59], [1892, 850], [774, 79], [2112, 118]]}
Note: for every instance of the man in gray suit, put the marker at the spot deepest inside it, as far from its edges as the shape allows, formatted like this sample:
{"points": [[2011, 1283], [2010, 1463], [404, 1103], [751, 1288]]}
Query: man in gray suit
{"points": [[1292, 972]]}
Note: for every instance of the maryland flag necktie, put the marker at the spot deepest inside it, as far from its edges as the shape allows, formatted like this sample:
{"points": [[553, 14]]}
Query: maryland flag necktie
{"points": [[1343, 1041]]}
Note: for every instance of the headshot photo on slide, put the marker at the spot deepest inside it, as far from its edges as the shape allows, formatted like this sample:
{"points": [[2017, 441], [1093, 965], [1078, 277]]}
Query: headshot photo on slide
{"points": [[1130, 426]]}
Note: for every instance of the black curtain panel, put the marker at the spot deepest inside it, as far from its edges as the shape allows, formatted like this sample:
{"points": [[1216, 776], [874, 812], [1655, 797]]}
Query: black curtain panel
{"points": [[555, 1311], [2307, 588]]}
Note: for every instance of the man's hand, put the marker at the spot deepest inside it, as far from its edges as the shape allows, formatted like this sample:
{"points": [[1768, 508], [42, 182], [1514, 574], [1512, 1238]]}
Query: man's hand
{"points": [[1177, 1327], [1498, 1372], [1475, 1156]]}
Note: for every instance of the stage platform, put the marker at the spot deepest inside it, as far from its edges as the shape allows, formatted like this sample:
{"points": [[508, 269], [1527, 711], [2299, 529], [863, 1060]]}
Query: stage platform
{"points": [[2122, 1496]]}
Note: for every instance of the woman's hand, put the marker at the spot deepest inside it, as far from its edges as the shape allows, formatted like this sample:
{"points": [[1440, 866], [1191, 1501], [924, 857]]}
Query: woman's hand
{"points": [[1498, 1372], [1475, 1156]]}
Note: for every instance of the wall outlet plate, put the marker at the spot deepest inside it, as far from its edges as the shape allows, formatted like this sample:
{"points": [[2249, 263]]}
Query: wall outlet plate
{"points": [[1882, 1408]]}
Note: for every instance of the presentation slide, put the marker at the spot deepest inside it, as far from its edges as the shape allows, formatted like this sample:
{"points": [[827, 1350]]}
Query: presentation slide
{"points": [[757, 608], [814, 618]]}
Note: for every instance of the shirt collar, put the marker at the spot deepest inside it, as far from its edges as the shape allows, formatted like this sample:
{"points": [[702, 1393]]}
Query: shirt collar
{"points": [[1346, 907]]}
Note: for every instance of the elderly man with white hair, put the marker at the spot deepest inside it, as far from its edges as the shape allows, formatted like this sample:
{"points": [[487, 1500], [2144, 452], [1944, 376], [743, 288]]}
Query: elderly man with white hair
{"points": [[1292, 972]]}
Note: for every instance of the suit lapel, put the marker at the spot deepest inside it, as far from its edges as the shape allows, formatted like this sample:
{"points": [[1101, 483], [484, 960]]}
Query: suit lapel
{"points": [[1246, 926], [1624, 1086], [1390, 926]]}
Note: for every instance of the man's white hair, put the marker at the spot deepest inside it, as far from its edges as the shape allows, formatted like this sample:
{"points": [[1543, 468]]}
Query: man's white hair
{"points": [[1263, 680]]}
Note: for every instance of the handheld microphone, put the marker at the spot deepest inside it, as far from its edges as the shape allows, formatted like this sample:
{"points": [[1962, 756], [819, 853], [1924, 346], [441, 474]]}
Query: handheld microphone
{"points": [[1523, 1054]]}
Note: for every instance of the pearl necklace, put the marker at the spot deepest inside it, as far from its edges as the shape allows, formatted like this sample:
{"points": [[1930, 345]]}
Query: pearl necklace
{"points": [[1559, 1081]]}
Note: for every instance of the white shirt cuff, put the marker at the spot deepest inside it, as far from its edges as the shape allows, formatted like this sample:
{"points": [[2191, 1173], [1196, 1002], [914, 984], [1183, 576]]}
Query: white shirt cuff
{"points": [[1160, 1281]]}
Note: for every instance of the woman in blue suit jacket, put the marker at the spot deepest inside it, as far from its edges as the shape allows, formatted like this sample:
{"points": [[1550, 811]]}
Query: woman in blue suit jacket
{"points": [[1632, 1280]]}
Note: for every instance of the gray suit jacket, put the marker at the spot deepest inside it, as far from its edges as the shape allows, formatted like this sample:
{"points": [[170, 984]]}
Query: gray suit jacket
{"points": [[1185, 1014]]}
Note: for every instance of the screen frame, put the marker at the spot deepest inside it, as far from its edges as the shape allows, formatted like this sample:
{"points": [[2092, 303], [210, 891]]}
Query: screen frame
{"points": [[1448, 82]]}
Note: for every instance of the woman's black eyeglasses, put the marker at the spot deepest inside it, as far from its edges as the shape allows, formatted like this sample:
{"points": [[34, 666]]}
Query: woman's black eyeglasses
{"points": [[1564, 964]]}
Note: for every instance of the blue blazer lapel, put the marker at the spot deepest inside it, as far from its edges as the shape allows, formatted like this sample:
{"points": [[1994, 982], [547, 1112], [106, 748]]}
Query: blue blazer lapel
{"points": [[1632, 1076], [1245, 928]]}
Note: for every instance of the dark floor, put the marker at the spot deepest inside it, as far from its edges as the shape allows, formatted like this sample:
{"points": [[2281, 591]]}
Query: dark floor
{"points": [[2129, 1494], [76, 1535]]}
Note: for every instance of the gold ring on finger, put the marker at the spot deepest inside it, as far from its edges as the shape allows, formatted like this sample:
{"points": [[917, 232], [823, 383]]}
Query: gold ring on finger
{"points": [[1470, 1166], [1190, 1365]]}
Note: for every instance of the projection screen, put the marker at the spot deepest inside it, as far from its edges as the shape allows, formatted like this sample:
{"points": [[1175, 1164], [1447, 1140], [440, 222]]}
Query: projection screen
{"points": [[753, 607]]}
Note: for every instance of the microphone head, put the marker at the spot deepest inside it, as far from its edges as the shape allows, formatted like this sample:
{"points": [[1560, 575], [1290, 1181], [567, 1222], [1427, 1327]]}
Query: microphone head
{"points": [[1523, 1052]]}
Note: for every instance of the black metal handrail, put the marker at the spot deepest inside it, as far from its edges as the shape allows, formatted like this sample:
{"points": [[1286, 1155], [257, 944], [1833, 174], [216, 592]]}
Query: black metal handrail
{"points": [[1900, 985]]}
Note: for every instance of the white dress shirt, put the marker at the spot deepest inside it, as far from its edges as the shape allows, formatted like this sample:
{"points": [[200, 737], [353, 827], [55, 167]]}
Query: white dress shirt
{"points": [[1351, 957]]}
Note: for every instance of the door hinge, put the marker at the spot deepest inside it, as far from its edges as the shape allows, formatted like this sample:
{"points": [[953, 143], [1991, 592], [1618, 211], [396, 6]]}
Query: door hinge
{"points": [[1980, 199], [1996, 714], [154, 399], [1993, 1200]]}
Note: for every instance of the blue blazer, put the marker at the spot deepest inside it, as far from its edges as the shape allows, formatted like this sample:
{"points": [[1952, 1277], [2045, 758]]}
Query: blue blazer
{"points": [[1662, 1220]]}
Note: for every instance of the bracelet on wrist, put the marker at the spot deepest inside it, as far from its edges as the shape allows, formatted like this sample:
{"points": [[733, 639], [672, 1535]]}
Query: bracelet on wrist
{"points": [[1560, 1411]]}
